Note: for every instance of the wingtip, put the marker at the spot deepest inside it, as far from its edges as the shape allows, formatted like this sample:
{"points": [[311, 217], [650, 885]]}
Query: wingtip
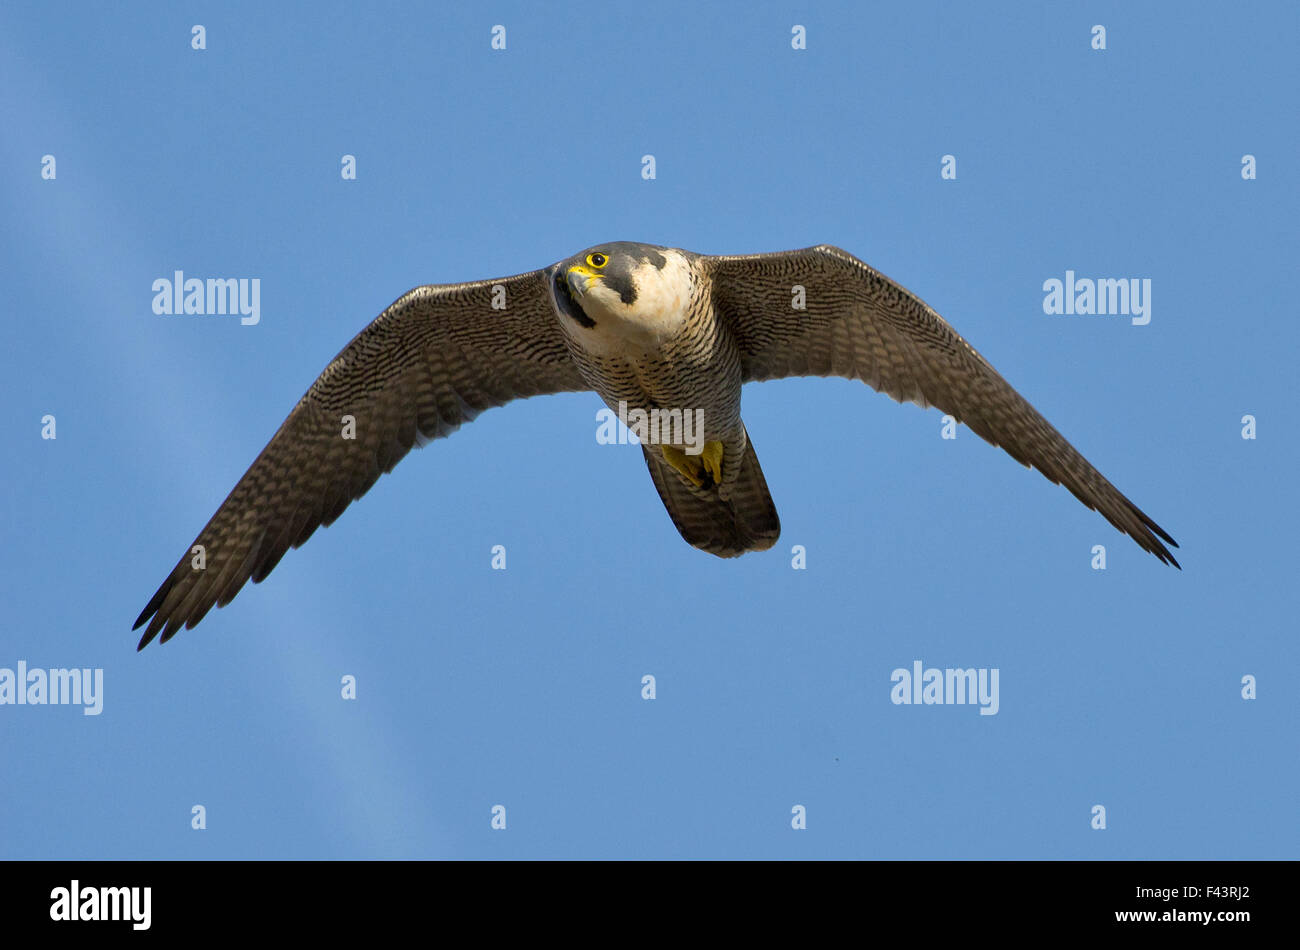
{"points": [[151, 611], [1161, 552], [145, 638]]}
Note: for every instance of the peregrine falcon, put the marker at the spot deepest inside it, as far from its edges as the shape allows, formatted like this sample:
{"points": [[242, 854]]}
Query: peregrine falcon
{"points": [[657, 330]]}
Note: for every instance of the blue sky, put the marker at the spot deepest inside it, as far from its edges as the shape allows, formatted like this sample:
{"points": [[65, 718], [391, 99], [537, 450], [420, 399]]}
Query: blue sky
{"points": [[476, 688]]}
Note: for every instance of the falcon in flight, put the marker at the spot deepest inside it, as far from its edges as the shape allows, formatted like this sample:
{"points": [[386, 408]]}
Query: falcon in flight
{"points": [[660, 330]]}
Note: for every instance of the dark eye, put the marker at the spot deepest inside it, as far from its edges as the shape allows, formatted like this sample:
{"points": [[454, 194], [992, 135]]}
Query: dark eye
{"points": [[597, 260]]}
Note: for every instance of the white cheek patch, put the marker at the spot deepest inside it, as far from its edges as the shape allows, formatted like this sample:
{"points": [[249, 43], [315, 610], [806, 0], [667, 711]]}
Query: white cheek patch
{"points": [[604, 302], [662, 295]]}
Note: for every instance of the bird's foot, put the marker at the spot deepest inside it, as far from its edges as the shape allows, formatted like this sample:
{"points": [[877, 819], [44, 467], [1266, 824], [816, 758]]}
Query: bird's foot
{"points": [[695, 467], [712, 456]]}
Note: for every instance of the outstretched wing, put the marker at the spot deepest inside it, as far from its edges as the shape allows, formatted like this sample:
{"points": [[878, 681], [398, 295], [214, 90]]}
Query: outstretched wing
{"points": [[432, 361], [859, 324]]}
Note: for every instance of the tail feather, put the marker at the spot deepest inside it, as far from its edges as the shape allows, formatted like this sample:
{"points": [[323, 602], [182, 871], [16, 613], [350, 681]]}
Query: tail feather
{"points": [[744, 521]]}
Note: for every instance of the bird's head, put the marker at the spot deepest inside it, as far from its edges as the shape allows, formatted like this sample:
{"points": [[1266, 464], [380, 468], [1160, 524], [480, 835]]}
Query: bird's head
{"points": [[623, 283]]}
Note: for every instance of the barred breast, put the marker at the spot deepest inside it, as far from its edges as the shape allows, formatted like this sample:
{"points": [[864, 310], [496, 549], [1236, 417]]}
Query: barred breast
{"points": [[695, 366]]}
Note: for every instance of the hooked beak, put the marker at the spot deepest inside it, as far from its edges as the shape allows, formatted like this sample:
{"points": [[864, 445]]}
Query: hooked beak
{"points": [[580, 278], [567, 288]]}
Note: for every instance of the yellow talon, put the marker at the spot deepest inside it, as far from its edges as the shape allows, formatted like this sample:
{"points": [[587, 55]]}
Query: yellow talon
{"points": [[712, 456], [688, 465], [694, 467]]}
